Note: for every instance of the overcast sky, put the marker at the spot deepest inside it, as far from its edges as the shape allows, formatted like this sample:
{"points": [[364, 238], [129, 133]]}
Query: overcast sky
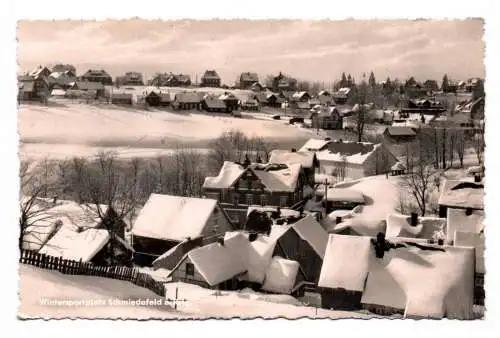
{"points": [[311, 50]]}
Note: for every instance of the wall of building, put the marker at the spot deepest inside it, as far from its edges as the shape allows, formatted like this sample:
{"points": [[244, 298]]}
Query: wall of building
{"points": [[340, 299], [179, 274]]}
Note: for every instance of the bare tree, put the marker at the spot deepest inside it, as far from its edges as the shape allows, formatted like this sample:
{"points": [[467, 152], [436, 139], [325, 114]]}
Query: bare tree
{"points": [[460, 146], [478, 144], [35, 185], [419, 181]]}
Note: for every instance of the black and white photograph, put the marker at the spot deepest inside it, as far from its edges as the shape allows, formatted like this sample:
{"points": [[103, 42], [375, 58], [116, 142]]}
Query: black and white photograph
{"points": [[228, 168]]}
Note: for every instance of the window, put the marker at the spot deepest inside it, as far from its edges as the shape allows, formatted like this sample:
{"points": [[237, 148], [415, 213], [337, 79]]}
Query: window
{"points": [[189, 269], [213, 195], [479, 281], [283, 201], [263, 200], [235, 199], [243, 184], [249, 199]]}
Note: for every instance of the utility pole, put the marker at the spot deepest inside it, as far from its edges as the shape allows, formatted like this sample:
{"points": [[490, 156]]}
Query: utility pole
{"points": [[326, 197]]}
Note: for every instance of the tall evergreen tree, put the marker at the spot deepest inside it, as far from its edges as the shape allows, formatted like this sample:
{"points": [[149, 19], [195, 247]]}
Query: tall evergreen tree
{"points": [[343, 81], [444, 84], [349, 81], [371, 80]]}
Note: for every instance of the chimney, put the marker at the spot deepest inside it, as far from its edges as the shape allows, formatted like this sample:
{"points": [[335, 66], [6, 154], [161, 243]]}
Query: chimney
{"points": [[278, 211], [220, 240], [328, 139], [294, 150], [338, 220], [440, 241], [414, 219], [247, 162], [252, 237], [468, 211], [477, 178], [340, 140]]}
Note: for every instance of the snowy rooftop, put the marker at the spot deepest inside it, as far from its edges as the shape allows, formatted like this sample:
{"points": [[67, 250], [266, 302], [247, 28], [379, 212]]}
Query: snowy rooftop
{"points": [[173, 217], [460, 220], [462, 194], [426, 283], [275, 177], [314, 145], [218, 263], [350, 152], [400, 226], [369, 219], [344, 195], [312, 232], [346, 262], [284, 212], [305, 158], [281, 275]]}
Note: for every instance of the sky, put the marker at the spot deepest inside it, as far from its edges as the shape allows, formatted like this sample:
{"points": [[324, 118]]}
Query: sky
{"points": [[306, 50]]}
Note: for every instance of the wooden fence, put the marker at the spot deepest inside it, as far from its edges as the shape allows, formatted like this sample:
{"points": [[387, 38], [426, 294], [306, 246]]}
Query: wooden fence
{"points": [[72, 267]]}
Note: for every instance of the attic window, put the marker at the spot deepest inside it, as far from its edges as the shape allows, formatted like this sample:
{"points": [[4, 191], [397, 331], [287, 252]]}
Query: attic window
{"points": [[189, 269]]}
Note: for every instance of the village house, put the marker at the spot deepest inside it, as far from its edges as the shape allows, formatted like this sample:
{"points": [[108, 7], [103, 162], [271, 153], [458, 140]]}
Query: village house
{"points": [[61, 80], [327, 118], [398, 169], [399, 134], [239, 186], [423, 107], [438, 286], [187, 101], [464, 195], [299, 111], [325, 98], [247, 79], [166, 221], [345, 268], [210, 79], [31, 88], [256, 87], [231, 101], [177, 80], [306, 159], [94, 75], [340, 198], [473, 108], [216, 265], [158, 99], [96, 88], [250, 104], [350, 159], [211, 103], [130, 79], [40, 72], [88, 233], [342, 95]]}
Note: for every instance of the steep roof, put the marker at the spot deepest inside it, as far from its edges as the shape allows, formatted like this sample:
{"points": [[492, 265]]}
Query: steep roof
{"points": [[344, 195], [435, 283], [351, 152], [281, 275], [218, 263], [249, 77], [305, 158], [210, 74], [427, 227], [213, 102], [299, 95], [346, 262], [462, 194], [313, 233], [273, 177], [173, 217]]}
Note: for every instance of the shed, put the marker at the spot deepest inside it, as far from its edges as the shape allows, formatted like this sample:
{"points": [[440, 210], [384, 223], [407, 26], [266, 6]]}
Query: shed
{"points": [[281, 276]]}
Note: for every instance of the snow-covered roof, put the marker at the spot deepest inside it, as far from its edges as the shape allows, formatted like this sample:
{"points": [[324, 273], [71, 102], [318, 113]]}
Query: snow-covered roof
{"points": [[321, 178], [74, 245], [350, 152], [281, 275], [462, 194], [475, 240], [459, 220], [58, 92], [305, 158], [370, 218], [218, 263], [37, 234], [173, 217], [346, 262], [344, 195], [313, 233], [435, 283], [400, 226], [298, 95], [314, 145], [275, 177], [398, 166]]}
